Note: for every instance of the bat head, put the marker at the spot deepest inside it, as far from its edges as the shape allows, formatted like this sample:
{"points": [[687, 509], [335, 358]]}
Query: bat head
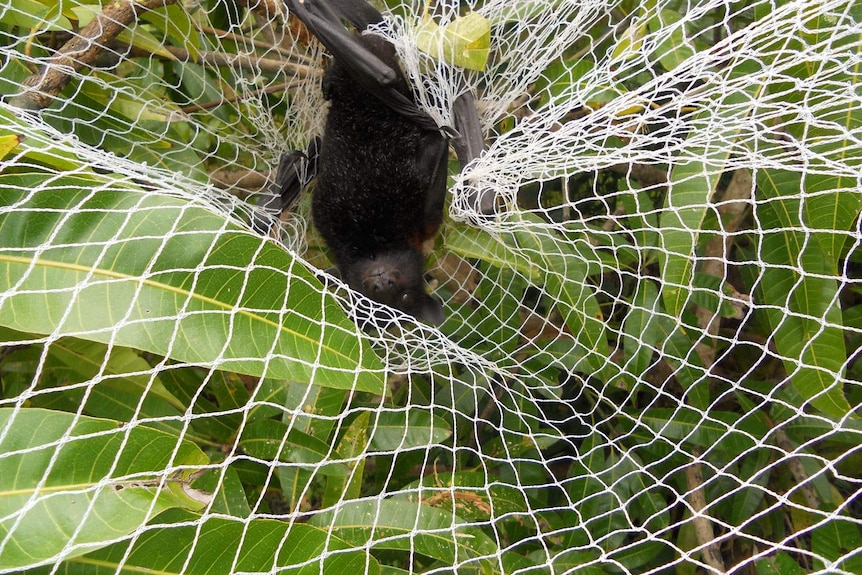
{"points": [[396, 278]]}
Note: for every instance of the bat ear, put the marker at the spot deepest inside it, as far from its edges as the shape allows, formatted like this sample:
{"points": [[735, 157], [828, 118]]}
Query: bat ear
{"points": [[432, 310]]}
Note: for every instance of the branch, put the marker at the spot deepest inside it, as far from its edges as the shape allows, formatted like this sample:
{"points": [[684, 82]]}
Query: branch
{"points": [[240, 61], [80, 52], [710, 548]]}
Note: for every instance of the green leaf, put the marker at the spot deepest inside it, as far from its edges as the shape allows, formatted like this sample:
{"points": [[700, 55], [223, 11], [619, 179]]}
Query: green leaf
{"points": [[184, 383], [159, 274], [832, 206], [676, 49], [688, 198], [688, 426], [755, 471], [630, 43], [275, 441], [799, 298], [34, 17], [838, 541], [175, 23], [561, 75], [832, 202], [73, 480], [471, 242], [217, 546], [565, 275], [477, 495], [582, 563], [136, 36], [34, 147], [641, 338], [674, 346], [126, 390], [414, 428], [352, 445], [111, 131], [781, 563], [409, 526], [133, 109], [712, 293], [499, 329], [229, 497], [809, 217], [313, 411], [638, 555]]}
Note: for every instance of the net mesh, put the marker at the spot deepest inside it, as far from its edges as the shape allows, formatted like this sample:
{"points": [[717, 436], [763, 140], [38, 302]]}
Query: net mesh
{"points": [[650, 357]]}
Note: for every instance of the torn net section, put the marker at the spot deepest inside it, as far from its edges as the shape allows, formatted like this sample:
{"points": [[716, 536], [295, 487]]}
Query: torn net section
{"points": [[650, 359]]}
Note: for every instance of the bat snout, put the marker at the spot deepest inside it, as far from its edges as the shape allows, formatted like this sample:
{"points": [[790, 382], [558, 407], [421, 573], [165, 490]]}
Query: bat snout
{"points": [[382, 279]]}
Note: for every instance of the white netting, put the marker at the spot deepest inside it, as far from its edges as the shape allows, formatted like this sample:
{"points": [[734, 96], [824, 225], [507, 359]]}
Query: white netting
{"points": [[650, 362]]}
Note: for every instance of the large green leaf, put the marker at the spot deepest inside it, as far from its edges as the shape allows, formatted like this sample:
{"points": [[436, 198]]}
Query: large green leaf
{"points": [[832, 199], [411, 429], [314, 413], [640, 336], [833, 541], [677, 46], [275, 441], [221, 546], [71, 480], [351, 447], [473, 243], [410, 526], [175, 23], [807, 217], [34, 16], [478, 495], [689, 193], [32, 143], [799, 298], [111, 264]]}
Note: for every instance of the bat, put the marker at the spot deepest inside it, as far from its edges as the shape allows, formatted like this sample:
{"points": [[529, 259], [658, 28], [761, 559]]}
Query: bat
{"points": [[382, 162]]}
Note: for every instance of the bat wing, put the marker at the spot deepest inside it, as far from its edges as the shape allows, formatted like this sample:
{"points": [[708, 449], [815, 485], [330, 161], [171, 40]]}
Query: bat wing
{"points": [[369, 71], [469, 143]]}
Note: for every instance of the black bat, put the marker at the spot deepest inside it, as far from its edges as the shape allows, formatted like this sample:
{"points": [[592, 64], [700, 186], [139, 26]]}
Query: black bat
{"points": [[382, 163]]}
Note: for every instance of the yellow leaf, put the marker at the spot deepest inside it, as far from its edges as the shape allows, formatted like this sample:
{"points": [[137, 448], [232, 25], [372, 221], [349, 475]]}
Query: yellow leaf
{"points": [[464, 42], [9, 142]]}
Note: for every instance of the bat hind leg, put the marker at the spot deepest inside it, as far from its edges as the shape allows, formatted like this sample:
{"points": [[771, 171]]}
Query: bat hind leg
{"points": [[295, 171]]}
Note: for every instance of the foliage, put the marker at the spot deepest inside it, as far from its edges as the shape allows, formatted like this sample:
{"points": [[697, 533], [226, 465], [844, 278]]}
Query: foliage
{"points": [[141, 326]]}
